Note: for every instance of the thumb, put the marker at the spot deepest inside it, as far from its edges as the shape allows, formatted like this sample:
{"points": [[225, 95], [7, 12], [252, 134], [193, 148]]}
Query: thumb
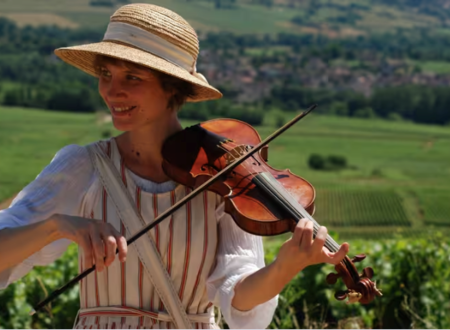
{"points": [[337, 257]]}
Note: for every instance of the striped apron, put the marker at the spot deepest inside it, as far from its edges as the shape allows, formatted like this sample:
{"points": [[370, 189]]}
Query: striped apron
{"points": [[122, 296]]}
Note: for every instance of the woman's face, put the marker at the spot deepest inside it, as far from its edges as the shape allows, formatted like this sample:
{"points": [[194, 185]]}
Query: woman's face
{"points": [[133, 95]]}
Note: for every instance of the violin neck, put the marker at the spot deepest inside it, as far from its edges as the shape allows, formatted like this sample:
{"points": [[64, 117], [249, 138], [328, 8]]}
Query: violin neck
{"points": [[289, 205]]}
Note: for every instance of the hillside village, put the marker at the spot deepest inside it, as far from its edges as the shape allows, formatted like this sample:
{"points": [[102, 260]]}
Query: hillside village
{"points": [[253, 80]]}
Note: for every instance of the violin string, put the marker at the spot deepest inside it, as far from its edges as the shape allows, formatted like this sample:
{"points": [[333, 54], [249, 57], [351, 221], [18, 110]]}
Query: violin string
{"points": [[234, 157], [252, 175], [243, 164], [329, 242]]}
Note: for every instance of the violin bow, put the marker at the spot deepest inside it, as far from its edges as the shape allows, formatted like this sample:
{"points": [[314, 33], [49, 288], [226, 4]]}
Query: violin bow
{"points": [[178, 205]]}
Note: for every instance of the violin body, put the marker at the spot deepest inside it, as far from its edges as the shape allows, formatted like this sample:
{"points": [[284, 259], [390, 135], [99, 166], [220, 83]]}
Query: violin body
{"points": [[252, 210], [262, 200]]}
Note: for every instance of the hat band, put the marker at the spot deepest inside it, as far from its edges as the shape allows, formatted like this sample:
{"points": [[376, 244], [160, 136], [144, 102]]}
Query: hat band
{"points": [[151, 43]]}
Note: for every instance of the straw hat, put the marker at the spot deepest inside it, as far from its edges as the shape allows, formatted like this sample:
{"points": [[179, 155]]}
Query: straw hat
{"points": [[151, 36]]}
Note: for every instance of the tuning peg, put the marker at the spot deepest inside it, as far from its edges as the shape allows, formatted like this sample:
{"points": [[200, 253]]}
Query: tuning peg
{"points": [[367, 272], [332, 278], [341, 295], [358, 258]]}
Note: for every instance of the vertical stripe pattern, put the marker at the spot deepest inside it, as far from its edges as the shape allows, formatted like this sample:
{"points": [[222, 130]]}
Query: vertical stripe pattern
{"points": [[187, 246], [187, 243]]}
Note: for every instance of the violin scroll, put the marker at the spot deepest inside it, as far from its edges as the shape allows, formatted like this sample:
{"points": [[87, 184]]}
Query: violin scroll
{"points": [[359, 286]]}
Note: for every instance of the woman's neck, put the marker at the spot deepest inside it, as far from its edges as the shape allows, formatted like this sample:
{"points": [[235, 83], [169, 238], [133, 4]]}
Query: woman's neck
{"points": [[141, 149]]}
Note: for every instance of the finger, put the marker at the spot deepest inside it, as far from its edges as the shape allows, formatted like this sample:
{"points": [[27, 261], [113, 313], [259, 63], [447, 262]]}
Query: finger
{"points": [[340, 255], [307, 235], [121, 243], [85, 245], [99, 250], [336, 257], [110, 248], [298, 231], [320, 239], [122, 246]]}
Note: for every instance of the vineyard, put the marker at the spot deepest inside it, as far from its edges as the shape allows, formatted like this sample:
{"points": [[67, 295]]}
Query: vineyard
{"points": [[436, 206], [358, 207], [382, 213]]}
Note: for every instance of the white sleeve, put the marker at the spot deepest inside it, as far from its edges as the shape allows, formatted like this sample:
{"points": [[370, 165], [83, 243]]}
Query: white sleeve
{"points": [[239, 254], [59, 188]]}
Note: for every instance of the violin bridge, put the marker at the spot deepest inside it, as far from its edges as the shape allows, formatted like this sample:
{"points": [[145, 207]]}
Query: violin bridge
{"points": [[236, 152]]}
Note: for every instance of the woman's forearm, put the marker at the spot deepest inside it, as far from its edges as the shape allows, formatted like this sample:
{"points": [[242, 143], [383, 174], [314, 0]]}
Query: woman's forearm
{"points": [[17, 244], [260, 286]]}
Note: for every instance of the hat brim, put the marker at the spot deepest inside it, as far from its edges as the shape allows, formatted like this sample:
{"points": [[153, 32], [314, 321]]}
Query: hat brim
{"points": [[83, 57]]}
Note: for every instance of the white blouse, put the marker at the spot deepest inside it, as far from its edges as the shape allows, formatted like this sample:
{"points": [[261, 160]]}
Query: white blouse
{"points": [[61, 187]]}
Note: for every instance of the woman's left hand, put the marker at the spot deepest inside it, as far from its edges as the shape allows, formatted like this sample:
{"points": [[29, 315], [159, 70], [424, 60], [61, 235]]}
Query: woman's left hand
{"points": [[301, 250]]}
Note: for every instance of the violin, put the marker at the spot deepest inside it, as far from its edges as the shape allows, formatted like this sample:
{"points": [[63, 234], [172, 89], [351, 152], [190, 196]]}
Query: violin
{"points": [[228, 157], [262, 200]]}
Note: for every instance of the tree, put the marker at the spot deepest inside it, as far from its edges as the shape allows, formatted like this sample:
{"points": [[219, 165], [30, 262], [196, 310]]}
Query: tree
{"points": [[316, 162], [366, 112]]}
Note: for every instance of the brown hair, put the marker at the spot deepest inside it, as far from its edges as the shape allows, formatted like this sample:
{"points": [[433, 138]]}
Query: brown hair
{"points": [[182, 89]]}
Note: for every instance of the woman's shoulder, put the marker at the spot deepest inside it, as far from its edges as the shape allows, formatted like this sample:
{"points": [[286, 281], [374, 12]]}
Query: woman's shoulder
{"points": [[77, 156], [105, 144], [80, 152], [70, 154]]}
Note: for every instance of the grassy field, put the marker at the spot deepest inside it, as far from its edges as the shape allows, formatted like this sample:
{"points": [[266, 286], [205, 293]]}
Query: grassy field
{"points": [[326, 17], [30, 138], [396, 182], [441, 67]]}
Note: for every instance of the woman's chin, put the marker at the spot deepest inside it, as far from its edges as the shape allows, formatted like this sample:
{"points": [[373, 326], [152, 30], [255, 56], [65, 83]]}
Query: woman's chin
{"points": [[122, 126]]}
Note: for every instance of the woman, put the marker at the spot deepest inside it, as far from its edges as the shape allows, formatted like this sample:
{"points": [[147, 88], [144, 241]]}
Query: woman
{"points": [[146, 65]]}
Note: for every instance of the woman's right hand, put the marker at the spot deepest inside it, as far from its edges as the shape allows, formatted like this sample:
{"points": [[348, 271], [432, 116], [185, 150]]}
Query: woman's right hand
{"points": [[98, 240]]}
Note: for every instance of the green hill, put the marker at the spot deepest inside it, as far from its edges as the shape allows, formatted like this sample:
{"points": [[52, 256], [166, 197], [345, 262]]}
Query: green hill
{"points": [[334, 18], [396, 179]]}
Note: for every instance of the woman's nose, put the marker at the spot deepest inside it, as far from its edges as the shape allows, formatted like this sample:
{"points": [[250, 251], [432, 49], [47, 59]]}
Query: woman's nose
{"points": [[116, 88]]}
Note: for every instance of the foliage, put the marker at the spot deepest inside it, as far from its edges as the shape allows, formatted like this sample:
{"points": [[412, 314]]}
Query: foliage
{"points": [[19, 297], [337, 161], [411, 273], [331, 162], [44, 81], [419, 103], [424, 104], [222, 109], [280, 120], [366, 112], [316, 162]]}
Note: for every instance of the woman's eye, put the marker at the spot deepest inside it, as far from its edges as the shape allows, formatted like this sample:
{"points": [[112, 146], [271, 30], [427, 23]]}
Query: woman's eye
{"points": [[133, 77], [105, 73]]}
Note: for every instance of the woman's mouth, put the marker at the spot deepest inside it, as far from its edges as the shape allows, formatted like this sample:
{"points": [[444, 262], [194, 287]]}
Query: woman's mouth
{"points": [[122, 110]]}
